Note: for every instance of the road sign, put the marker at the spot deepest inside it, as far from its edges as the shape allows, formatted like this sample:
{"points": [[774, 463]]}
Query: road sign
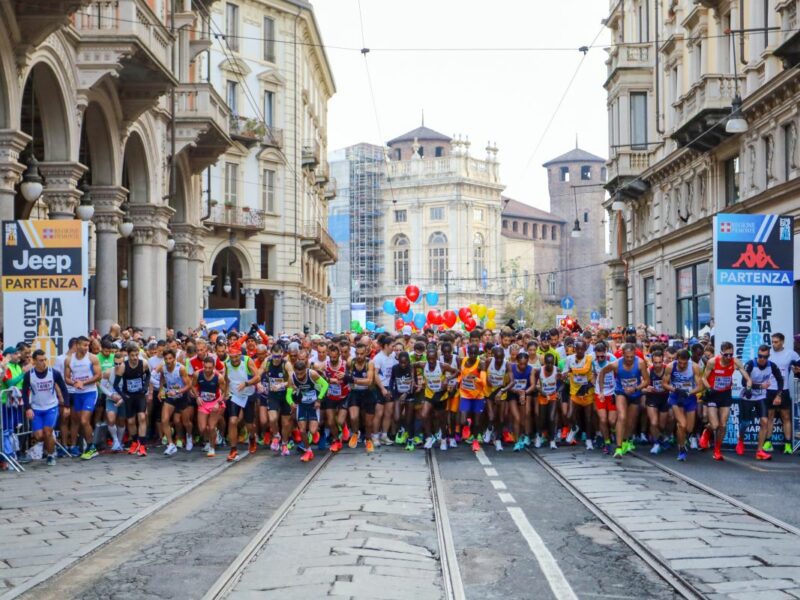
{"points": [[595, 315], [567, 302]]}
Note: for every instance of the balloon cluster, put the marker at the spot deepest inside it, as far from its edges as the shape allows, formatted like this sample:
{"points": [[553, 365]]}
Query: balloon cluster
{"points": [[469, 316]]}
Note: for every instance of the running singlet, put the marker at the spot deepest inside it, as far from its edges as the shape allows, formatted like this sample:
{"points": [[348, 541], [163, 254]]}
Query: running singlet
{"points": [[172, 380], [383, 367], [434, 379], [549, 383], [721, 377], [155, 378], [469, 379], [238, 375], [761, 376], [43, 390], [607, 386], [82, 371], [682, 380], [359, 374], [628, 378], [657, 382], [208, 389], [401, 380], [336, 391], [521, 379], [133, 380], [308, 393], [274, 379], [578, 372], [496, 377]]}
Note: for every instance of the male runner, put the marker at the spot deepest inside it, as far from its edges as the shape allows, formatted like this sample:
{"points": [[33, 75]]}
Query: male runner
{"points": [[130, 382], [175, 382], [43, 390], [631, 378], [240, 379], [82, 372], [683, 380]]}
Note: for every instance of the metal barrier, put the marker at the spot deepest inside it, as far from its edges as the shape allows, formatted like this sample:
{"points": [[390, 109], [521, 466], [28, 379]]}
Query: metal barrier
{"points": [[14, 426]]}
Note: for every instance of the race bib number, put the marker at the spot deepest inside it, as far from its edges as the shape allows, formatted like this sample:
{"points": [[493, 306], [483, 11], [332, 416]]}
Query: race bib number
{"points": [[722, 383], [404, 385], [549, 388], [134, 385], [309, 397], [434, 384], [496, 380], [208, 396], [334, 389], [520, 384], [468, 383], [658, 386], [629, 383], [276, 384], [580, 379]]}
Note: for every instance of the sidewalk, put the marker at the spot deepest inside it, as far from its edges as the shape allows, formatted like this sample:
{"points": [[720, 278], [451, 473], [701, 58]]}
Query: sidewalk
{"points": [[50, 515]]}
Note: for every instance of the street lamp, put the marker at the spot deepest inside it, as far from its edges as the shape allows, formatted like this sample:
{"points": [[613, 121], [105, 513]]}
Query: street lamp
{"points": [[227, 287], [170, 243], [576, 229], [31, 186], [618, 204], [123, 280], [126, 227], [736, 122], [85, 209]]}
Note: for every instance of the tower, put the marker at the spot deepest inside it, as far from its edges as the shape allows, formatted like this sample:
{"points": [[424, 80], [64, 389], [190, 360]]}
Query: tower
{"points": [[575, 183]]}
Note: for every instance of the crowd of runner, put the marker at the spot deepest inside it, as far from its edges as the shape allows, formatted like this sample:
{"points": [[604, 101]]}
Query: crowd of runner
{"points": [[609, 391]]}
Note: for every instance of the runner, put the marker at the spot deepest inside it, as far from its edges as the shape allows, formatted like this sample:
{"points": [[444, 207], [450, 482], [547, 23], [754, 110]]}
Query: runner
{"points": [[130, 382], [718, 379], [472, 382], [82, 372], [274, 404], [435, 387], [69, 421], [175, 382], [683, 380], [210, 388], [581, 392], [240, 379], [766, 379], [783, 358], [657, 403], [401, 385], [449, 362], [605, 402], [43, 390], [497, 379], [362, 397], [383, 364], [308, 388], [548, 378], [335, 402], [520, 394]]}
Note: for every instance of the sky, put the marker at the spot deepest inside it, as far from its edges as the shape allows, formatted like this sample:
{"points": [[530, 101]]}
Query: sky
{"points": [[507, 97]]}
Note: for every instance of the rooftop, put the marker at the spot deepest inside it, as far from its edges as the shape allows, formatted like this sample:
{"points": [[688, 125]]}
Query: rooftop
{"points": [[575, 155], [515, 208], [420, 133]]}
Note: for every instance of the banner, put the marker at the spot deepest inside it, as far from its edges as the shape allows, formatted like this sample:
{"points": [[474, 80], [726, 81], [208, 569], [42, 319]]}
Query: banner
{"points": [[45, 283], [754, 275]]}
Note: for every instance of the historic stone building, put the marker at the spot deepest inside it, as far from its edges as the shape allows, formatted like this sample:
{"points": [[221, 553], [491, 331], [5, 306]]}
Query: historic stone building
{"points": [[673, 75]]}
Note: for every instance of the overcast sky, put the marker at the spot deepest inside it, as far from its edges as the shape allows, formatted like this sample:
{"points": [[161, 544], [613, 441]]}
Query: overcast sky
{"points": [[502, 96]]}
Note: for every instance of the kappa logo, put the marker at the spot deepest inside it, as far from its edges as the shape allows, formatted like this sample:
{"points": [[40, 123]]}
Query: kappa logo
{"points": [[48, 233], [725, 227], [755, 259]]}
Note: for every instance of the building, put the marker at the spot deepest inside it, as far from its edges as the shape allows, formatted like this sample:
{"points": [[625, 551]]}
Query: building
{"points": [[672, 164], [108, 97], [442, 221], [355, 219], [267, 197]]}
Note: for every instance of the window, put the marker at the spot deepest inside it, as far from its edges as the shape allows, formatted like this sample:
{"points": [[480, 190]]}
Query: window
{"points": [[421, 151], [231, 173], [603, 173], [564, 173], [650, 301], [515, 226], [439, 151], [544, 232], [524, 229], [697, 52], [765, 14], [437, 257], [400, 216], [400, 249], [642, 24], [232, 92], [478, 257], [437, 213], [638, 120], [268, 190], [526, 279], [477, 214], [514, 281], [551, 284], [398, 154], [232, 26], [505, 223], [269, 108], [265, 261], [732, 181], [693, 298], [269, 39], [535, 231], [586, 173], [553, 233], [537, 284], [788, 148]]}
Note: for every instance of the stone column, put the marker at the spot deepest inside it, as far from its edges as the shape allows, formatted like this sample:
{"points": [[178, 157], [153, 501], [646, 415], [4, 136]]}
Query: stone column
{"points": [[182, 303], [277, 317], [107, 218], [619, 309], [149, 278], [249, 298], [60, 189], [196, 282]]}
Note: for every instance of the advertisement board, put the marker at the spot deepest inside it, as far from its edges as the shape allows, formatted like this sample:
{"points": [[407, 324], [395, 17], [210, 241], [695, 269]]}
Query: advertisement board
{"points": [[45, 283], [754, 297]]}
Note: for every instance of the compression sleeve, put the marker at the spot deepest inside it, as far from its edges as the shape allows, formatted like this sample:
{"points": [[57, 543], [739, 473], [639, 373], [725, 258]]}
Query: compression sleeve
{"points": [[322, 387], [290, 396]]}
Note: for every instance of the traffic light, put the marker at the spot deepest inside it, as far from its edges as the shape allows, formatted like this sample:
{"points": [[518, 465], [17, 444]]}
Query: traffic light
{"points": [[570, 324]]}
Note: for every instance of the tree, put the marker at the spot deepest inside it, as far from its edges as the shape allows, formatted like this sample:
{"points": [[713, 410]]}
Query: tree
{"points": [[528, 304]]}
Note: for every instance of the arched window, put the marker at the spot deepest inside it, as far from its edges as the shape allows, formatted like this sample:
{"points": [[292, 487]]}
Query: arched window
{"points": [[553, 233], [524, 229], [478, 257], [535, 231], [400, 247], [437, 257], [544, 232]]}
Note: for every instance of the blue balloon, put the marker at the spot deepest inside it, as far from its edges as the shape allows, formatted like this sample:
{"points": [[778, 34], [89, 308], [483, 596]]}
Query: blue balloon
{"points": [[388, 307], [432, 298], [419, 320], [418, 300], [380, 330], [370, 326], [408, 317]]}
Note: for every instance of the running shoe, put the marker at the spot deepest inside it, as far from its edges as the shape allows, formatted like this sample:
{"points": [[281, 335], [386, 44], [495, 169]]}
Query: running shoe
{"points": [[518, 446], [487, 435], [453, 443], [376, 440], [369, 446], [315, 438], [606, 449], [252, 446], [401, 437], [768, 446], [443, 444], [61, 453], [51, 460], [761, 455], [628, 446], [267, 439], [290, 444], [787, 448], [564, 432], [656, 449], [466, 430], [323, 443], [142, 451], [163, 440], [705, 439], [297, 436], [189, 444], [134, 447], [220, 439], [429, 442], [353, 440], [171, 449], [336, 446], [618, 453], [507, 437], [571, 435], [275, 445], [740, 447], [233, 454], [643, 438], [526, 441], [308, 456], [693, 442], [207, 447], [179, 443], [718, 454], [386, 440], [537, 441], [498, 445], [553, 445], [90, 453], [285, 450], [589, 445], [346, 434], [682, 455], [410, 446], [476, 445], [211, 453], [116, 448], [417, 439]]}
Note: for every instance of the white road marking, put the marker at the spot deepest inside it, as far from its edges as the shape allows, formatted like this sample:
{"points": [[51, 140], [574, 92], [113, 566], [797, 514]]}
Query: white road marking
{"points": [[498, 485], [555, 577], [490, 472], [507, 498], [482, 458]]}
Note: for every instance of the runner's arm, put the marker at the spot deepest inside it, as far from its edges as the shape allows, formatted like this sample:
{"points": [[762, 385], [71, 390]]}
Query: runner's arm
{"points": [[699, 379], [60, 387], [187, 380], [26, 390], [321, 384], [776, 373], [707, 371], [645, 380], [743, 371]]}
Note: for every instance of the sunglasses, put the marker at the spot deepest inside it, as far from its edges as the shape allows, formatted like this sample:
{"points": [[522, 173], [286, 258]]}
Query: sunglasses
{"points": [[764, 356], [727, 354]]}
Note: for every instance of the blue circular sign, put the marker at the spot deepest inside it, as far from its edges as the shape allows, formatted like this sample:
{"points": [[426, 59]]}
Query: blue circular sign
{"points": [[567, 302]]}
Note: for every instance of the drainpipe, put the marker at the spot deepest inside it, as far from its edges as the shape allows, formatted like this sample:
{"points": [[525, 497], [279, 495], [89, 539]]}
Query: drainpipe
{"points": [[296, 18], [172, 182], [659, 127]]}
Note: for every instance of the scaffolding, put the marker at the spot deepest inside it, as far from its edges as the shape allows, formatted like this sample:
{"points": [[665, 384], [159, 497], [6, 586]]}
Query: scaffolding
{"points": [[366, 228]]}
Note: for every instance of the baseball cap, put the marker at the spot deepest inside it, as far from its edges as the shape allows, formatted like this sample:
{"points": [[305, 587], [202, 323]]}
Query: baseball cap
{"points": [[407, 330], [10, 350]]}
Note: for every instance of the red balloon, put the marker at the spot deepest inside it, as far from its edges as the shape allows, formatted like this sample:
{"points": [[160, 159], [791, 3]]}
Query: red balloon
{"points": [[439, 318], [470, 324], [434, 317], [412, 293], [464, 314], [398, 324], [402, 304], [449, 318]]}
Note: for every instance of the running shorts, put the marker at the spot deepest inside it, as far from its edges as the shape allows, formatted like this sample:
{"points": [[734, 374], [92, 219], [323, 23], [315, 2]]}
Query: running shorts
{"points": [[365, 400], [658, 401], [179, 403], [719, 399], [83, 401], [249, 409], [44, 418], [134, 404], [607, 403], [474, 405], [307, 412]]}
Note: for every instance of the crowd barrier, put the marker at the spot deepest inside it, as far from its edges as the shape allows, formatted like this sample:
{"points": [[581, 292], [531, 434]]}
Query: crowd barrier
{"points": [[15, 427]]}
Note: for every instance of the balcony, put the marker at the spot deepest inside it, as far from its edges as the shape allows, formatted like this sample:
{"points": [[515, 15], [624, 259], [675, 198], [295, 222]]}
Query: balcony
{"points": [[444, 168], [125, 37], [248, 132], [272, 138], [789, 48], [330, 189], [201, 119], [624, 167], [700, 114], [629, 57], [315, 238], [231, 218], [323, 174], [37, 20], [310, 154]]}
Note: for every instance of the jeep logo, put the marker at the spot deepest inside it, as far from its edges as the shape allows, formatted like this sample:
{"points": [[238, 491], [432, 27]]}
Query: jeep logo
{"points": [[59, 263]]}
